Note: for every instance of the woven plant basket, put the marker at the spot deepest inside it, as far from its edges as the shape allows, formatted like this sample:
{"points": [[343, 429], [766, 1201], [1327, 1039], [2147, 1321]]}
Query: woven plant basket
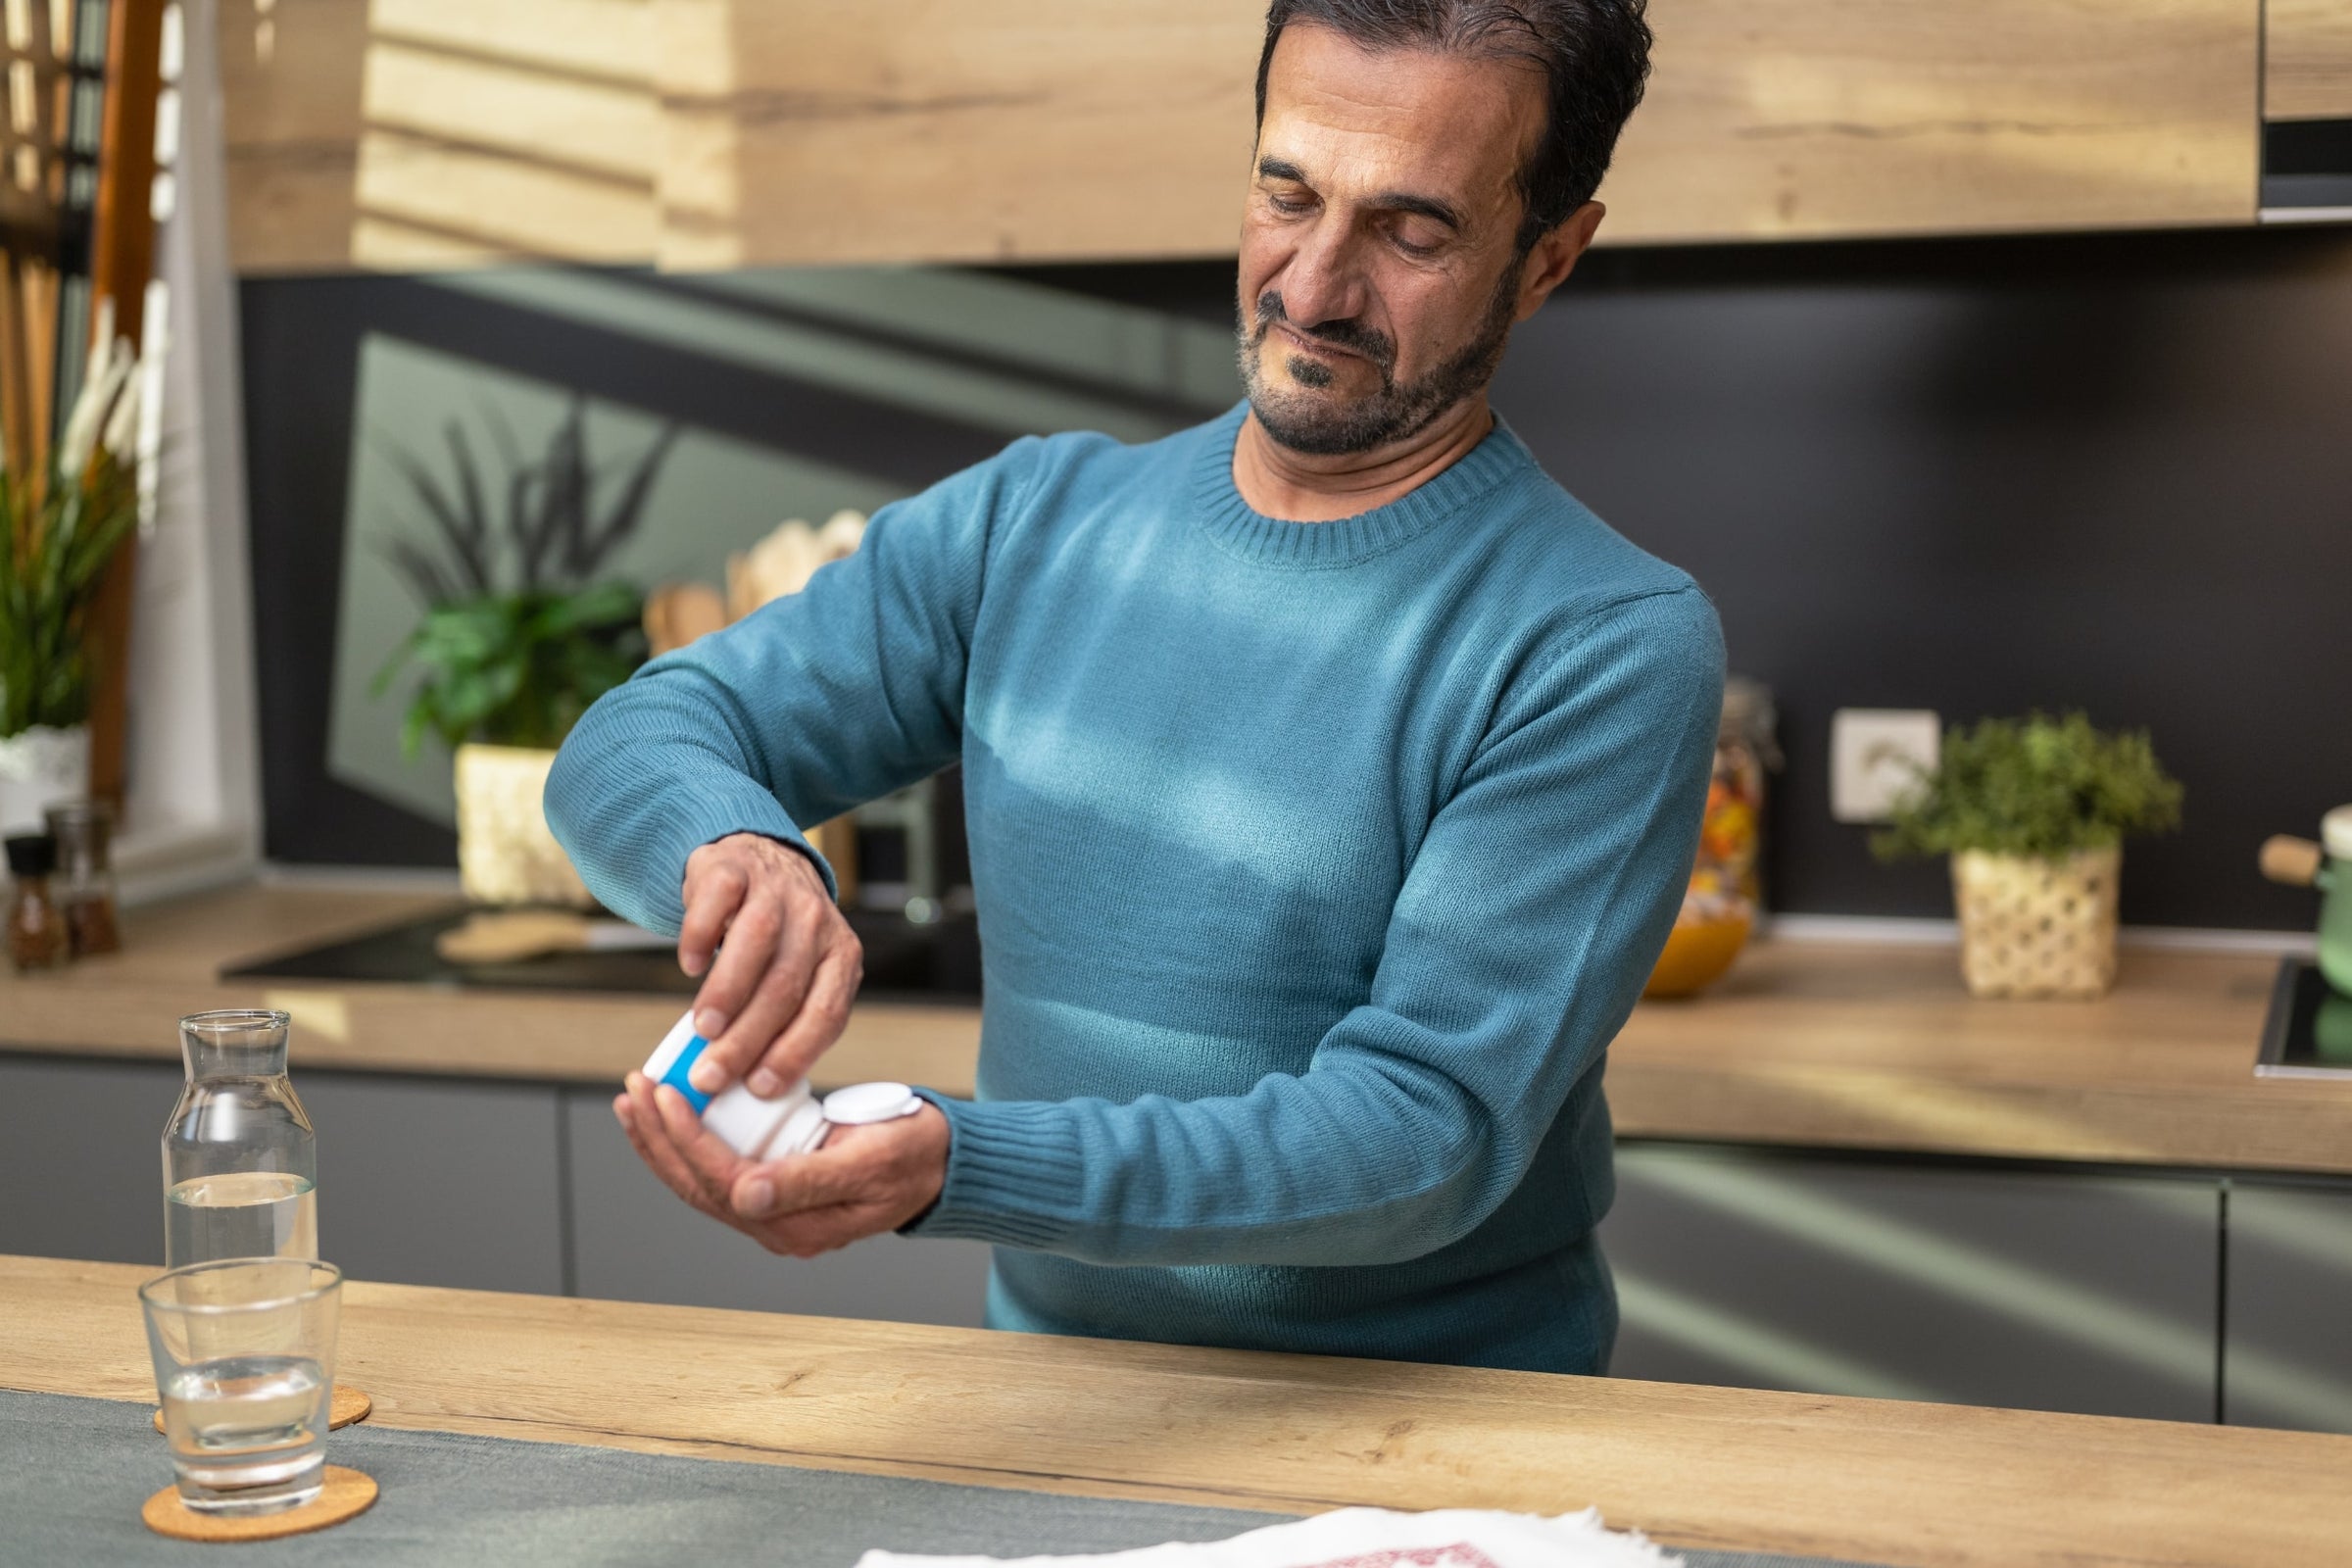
{"points": [[2037, 928], [506, 853]]}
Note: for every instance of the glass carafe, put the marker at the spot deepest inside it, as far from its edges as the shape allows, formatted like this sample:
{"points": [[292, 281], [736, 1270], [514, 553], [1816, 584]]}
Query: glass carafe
{"points": [[240, 1162]]}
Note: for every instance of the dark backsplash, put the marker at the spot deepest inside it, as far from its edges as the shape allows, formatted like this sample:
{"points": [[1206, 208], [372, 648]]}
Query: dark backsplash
{"points": [[2112, 472]]}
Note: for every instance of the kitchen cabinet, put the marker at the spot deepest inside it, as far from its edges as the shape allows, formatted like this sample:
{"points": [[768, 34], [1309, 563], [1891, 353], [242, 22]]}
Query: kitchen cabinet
{"points": [[419, 1182], [1819, 119], [2287, 1353], [2307, 60], [431, 1182], [719, 133], [414, 134], [81, 1157], [1966, 1283], [954, 130], [476, 1184], [637, 1243]]}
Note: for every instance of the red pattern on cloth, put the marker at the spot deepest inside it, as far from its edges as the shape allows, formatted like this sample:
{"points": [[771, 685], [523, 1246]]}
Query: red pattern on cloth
{"points": [[1457, 1554]]}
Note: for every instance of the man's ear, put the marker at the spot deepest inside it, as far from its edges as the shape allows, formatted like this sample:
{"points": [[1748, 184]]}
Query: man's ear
{"points": [[1554, 257]]}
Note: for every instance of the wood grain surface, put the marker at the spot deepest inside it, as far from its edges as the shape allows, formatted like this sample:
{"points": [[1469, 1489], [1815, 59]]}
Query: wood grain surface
{"points": [[1841, 1046], [2307, 60], [412, 135], [1917, 1484], [129, 1004], [839, 131], [1845, 118], [1814, 1045], [716, 133]]}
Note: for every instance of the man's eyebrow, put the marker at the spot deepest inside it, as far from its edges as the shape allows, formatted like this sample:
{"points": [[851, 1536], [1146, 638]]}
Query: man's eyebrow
{"points": [[1399, 201], [1396, 201]]}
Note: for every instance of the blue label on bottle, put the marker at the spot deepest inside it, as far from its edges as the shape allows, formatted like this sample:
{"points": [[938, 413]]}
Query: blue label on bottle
{"points": [[676, 1076]]}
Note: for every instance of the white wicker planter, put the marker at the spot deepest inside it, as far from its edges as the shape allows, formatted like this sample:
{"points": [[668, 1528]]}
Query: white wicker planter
{"points": [[38, 767], [2037, 928], [506, 853]]}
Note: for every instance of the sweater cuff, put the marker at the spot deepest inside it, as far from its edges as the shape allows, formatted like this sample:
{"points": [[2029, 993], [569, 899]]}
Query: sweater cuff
{"points": [[1014, 1176]]}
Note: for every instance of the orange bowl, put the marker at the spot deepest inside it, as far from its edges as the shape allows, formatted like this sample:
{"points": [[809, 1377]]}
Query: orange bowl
{"points": [[1697, 956]]}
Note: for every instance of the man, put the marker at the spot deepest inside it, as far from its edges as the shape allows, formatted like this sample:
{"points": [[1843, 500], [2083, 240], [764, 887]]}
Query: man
{"points": [[1332, 776]]}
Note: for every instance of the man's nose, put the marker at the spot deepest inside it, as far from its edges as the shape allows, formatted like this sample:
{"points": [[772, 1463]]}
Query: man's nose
{"points": [[1322, 282]]}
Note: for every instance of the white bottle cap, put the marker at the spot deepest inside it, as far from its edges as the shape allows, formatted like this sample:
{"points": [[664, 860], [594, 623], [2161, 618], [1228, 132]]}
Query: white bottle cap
{"points": [[862, 1104]]}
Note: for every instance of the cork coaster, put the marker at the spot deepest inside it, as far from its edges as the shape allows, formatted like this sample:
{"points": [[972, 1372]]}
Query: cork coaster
{"points": [[346, 1405], [346, 1494]]}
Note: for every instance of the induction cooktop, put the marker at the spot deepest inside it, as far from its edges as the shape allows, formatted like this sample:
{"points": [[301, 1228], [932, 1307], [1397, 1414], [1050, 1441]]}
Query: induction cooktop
{"points": [[903, 961]]}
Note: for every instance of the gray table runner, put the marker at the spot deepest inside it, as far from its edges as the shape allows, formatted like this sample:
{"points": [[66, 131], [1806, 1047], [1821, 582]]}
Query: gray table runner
{"points": [[74, 1472]]}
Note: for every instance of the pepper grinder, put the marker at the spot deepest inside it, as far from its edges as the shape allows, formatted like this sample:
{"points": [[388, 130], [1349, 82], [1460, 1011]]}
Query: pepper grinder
{"points": [[36, 930]]}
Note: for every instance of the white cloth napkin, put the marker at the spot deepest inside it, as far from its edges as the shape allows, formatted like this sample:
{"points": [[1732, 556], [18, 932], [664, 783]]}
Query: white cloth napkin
{"points": [[1368, 1538]]}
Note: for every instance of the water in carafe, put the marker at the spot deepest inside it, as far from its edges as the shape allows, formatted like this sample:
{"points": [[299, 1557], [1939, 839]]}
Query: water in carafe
{"points": [[240, 1162]]}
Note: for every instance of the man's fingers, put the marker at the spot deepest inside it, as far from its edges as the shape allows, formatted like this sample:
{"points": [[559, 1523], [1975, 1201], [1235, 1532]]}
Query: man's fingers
{"points": [[845, 1170], [740, 972], [641, 1122], [708, 1162], [774, 1004], [823, 1012], [713, 895]]}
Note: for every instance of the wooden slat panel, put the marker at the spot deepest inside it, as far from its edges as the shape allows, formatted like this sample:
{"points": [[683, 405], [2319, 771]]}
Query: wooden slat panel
{"points": [[2307, 60], [412, 133], [845, 130], [1831, 118]]}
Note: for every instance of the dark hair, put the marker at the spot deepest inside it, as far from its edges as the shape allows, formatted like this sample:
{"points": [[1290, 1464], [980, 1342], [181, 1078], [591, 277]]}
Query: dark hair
{"points": [[1595, 55]]}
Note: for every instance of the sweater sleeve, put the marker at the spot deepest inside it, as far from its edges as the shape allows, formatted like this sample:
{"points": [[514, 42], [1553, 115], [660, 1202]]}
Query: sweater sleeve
{"points": [[817, 703], [1526, 924]]}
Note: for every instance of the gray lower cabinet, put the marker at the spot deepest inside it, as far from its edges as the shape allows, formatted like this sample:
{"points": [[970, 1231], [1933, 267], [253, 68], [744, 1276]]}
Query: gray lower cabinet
{"points": [[439, 1181], [420, 1181], [636, 1242], [81, 1157], [1967, 1284], [2288, 1360]]}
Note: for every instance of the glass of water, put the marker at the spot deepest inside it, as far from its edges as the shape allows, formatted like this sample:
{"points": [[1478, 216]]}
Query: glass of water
{"points": [[244, 1353]]}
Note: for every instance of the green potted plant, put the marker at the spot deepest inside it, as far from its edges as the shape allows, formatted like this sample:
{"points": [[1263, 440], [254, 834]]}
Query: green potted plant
{"points": [[65, 516], [2033, 813], [521, 631]]}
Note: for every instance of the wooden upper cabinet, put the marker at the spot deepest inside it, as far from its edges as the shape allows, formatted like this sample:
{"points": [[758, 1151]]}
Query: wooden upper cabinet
{"points": [[858, 130], [714, 133], [408, 134], [1771, 119], [2307, 60]]}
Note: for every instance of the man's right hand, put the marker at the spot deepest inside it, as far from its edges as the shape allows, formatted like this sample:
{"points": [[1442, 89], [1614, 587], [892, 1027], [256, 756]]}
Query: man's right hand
{"points": [[779, 993]]}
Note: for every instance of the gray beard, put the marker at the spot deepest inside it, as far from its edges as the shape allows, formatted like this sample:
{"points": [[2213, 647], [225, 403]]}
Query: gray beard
{"points": [[1397, 412]]}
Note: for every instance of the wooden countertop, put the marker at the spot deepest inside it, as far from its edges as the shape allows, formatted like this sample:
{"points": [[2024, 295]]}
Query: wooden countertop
{"points": [[1918, 1484], [129, 1004], [1805, 1044]]}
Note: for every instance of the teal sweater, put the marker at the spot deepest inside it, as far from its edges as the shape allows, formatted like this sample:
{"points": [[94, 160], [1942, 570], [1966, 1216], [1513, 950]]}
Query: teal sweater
{"points": [[1317, 863]]}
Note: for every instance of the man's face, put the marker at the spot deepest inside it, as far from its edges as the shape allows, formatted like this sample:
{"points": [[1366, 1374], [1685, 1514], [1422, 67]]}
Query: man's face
{"points": [[1379, 271]]}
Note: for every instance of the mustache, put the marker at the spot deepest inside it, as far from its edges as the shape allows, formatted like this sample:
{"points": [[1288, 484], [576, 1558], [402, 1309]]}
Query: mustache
{"points": [[1345, 333]]}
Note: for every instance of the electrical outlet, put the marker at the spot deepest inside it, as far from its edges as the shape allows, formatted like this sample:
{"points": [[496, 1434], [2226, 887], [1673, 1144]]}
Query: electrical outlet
{"points": [[1874, 755]]}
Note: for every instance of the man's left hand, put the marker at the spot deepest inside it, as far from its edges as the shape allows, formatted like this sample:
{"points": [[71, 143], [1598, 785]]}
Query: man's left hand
{"points": [[862, 1181]]}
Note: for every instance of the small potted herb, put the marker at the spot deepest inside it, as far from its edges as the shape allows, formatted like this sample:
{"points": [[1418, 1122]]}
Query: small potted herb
{"points": [[62, 517], [2033, 813], [520, 633]]}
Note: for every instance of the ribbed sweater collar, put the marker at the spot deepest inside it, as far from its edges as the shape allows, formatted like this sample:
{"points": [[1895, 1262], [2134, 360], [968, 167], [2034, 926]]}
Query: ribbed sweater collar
{"points": [[1243, 531]]}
